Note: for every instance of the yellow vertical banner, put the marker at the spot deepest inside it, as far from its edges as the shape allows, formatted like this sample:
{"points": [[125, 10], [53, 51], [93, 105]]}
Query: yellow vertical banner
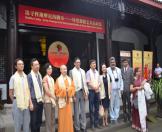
{"points": [[137, 58], [147, 64]]}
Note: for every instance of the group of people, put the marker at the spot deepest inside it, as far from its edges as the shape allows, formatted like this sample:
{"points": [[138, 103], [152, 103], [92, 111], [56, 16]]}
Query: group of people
{"points": [[31, 94]]}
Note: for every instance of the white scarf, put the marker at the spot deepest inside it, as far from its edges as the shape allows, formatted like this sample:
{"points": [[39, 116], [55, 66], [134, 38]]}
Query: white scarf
{"points": [[77, 81], [22, 93], [94, 77], [102, 88], [148, 90], [61, 83], [142, 109], [51, 89], [37, 89]]}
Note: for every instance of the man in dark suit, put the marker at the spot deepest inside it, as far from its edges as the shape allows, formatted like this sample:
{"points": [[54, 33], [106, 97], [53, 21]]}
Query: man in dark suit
{"points": [[127, 74], [36, 92]]}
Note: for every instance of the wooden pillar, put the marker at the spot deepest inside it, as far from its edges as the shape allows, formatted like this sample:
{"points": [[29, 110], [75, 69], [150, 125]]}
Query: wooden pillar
{"points": [[12, 38], [108, 35], [152, 41], [153, 49]]}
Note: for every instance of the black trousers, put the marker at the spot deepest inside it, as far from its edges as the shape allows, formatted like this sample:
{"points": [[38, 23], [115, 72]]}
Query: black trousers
{"points": [[36, 116], [126, 105]]}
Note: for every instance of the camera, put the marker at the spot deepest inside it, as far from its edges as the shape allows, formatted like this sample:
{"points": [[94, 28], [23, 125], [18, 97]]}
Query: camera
{"points": [[116, 79]]}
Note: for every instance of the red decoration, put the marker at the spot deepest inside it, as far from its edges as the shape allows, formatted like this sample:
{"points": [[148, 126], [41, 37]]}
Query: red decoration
{"points": [[58, 54]]}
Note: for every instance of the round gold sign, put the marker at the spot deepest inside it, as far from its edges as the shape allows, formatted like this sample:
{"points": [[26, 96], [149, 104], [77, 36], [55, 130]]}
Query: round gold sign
{"points": [[58, 54]]}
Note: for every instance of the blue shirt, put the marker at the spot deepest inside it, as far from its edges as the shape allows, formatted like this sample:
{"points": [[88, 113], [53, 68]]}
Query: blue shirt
{"points": [[88, 77]]}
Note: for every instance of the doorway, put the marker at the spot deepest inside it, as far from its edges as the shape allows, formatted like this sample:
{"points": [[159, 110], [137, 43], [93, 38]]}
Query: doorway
{"points": [[80, 45], [117, 47]]}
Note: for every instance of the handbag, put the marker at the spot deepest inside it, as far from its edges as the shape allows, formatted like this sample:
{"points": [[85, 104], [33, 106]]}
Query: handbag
{"points": [[101, 110]]}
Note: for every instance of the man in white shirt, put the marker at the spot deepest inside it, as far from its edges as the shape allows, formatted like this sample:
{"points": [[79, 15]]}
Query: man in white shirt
{"points": [[93, 82], [20, 96], [158, 71], [79, 77], [117, 88]]}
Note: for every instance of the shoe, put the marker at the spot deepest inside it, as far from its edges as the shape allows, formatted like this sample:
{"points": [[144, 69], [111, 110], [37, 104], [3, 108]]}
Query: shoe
{"points": [[113, 122], [125, 119], [116, 121], [77, 130], [83, 130], [107, 124], [92, 129], [103, 124], [98, 126]]}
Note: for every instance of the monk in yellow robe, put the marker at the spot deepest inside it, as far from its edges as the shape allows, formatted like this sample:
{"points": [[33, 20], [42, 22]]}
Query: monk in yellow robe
{"points": [[64, 90]]}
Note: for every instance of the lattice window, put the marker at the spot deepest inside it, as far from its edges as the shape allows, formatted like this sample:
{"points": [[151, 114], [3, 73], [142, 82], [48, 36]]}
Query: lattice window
{"points": [[3, 59], [130, 8]]}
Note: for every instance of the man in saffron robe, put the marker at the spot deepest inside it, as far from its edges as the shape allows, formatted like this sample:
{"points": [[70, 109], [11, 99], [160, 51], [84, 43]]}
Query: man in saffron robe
{"points": [[65, 90]]}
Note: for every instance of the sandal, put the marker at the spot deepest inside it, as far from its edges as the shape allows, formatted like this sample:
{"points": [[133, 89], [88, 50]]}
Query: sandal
{"points": [[103, 124]]}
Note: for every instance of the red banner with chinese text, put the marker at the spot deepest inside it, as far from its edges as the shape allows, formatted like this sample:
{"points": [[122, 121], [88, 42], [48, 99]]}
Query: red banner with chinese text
{"points": [[43, 17]]}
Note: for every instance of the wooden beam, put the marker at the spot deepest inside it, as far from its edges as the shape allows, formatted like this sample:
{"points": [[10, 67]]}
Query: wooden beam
{"points": [[151, 3]]}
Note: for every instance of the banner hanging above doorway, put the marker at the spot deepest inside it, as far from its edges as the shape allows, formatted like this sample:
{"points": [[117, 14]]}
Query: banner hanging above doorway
{"points": [[43, 17]]}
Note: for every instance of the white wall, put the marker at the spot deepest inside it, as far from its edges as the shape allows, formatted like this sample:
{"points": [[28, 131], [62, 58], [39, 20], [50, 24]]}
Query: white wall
{"points": [[130, 35]]}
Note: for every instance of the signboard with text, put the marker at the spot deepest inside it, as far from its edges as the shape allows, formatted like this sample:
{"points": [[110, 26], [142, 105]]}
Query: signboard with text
{"points": [[147, 64], [43, 17], [125, 55], [137, 59]]}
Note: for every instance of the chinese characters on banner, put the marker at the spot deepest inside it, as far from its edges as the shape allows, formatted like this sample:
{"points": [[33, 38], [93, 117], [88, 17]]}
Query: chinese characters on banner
{"points": [[147, 64], [137, 58], [43, 17]]}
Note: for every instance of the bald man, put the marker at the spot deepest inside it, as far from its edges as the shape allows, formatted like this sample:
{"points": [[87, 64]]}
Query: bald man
{"points": [[65, 91]]}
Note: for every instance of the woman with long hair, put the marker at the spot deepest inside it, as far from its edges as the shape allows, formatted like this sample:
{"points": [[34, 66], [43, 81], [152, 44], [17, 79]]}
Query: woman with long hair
{"points": [[105, 90], [49, 99], [139, 111]]}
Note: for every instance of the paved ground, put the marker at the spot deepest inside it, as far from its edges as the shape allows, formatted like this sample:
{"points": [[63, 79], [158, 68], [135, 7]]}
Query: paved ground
{"points": [[6, 119], [125, 127], [153, 127]]}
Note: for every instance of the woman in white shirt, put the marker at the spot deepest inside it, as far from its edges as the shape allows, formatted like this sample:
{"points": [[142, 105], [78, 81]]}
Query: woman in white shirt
{"points": [[105, 90]]}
